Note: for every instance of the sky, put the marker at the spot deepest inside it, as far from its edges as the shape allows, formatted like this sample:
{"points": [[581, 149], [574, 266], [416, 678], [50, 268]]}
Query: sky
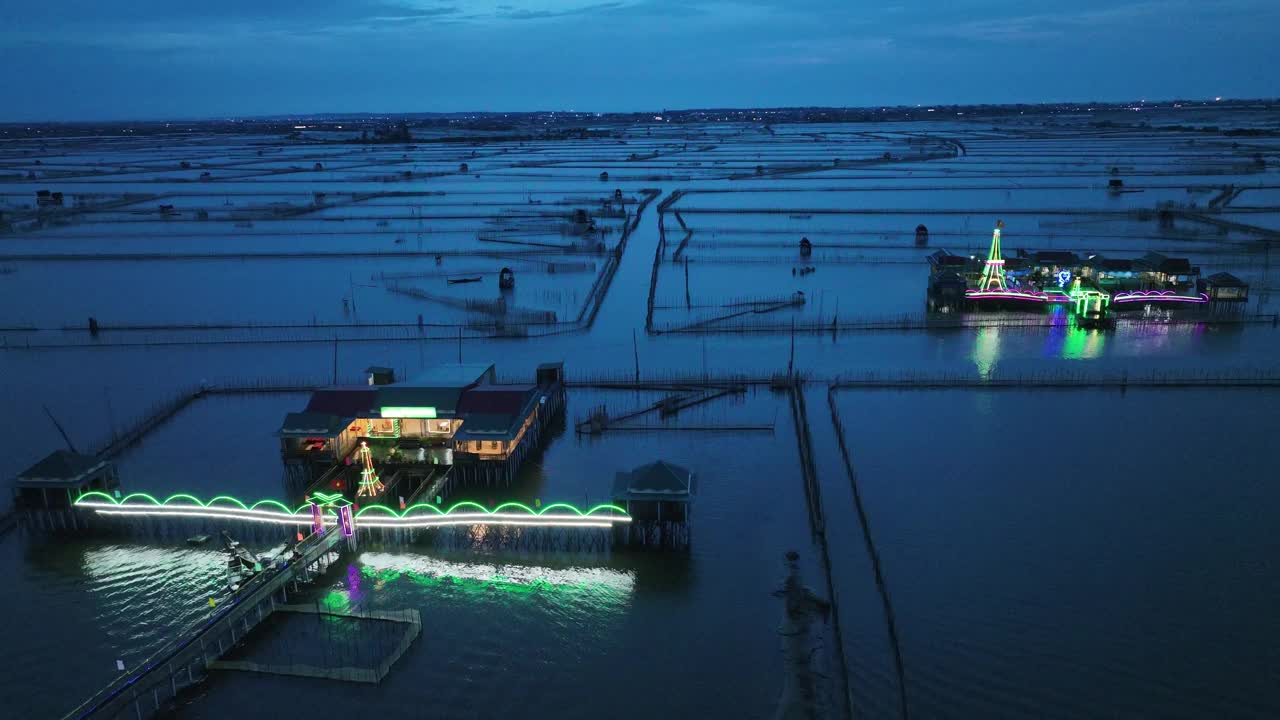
{"points": [[162, 59]]}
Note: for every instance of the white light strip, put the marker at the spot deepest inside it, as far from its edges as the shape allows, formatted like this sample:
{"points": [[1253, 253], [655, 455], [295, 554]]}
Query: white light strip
{"points": [[101, 506], [282, 520], [434, 522], [279, 518], [493, 518]]}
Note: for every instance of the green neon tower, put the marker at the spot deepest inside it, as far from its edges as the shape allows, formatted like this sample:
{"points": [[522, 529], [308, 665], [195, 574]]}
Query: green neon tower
{"points": [[993, 271]]}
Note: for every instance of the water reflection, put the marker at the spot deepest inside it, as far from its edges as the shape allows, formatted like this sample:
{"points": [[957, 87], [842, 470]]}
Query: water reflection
{"points": [[615, 586], [986, 351], [1081, 344]]}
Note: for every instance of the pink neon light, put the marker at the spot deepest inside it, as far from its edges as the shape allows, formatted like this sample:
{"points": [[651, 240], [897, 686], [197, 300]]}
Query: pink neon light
{"points": [[1157, 296], [1015, 295]]}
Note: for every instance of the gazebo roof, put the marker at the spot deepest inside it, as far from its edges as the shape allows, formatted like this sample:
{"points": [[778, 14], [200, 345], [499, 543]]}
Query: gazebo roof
{"points": [[659, 480]]}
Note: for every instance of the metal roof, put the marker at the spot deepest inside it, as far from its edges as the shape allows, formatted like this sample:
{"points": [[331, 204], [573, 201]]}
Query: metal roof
{"points": [[1225, 279], [659, 480], [496, 399], [488, 426], [443, 399], [456, 375], [312, 424], [357, 401], [61, 467]]}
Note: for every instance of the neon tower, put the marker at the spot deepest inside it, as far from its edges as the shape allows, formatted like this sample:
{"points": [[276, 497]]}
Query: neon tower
{"points": [[370, 485], [993, 271]]}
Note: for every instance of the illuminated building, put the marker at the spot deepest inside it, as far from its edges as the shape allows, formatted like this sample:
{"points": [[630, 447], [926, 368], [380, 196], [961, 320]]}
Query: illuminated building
{"points": [[452, 418]]}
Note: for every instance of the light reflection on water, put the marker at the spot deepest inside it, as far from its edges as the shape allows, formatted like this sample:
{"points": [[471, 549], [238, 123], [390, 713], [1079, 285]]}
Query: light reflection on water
{"points": [[424, 569], [986, 351]]}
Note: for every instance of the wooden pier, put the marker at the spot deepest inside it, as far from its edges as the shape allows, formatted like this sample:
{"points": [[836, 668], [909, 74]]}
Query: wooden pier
{"points": [[144, 691]]}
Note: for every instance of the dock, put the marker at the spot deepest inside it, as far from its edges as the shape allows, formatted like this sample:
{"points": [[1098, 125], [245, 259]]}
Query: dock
{"points": [[145, 691]]}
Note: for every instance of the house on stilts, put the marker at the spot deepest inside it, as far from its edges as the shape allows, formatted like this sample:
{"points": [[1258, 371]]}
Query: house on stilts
{"points": [[659, 498], [452, 425]]}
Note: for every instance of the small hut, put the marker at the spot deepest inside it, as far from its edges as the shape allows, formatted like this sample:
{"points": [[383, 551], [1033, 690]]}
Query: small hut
{"points": [[1225, 287], [46, 491], [604, 177], [657, 496]]}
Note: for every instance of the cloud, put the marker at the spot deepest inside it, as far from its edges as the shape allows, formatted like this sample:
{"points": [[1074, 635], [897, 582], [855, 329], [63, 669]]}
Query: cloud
{"points": [[1015, 27], [507, 12]]}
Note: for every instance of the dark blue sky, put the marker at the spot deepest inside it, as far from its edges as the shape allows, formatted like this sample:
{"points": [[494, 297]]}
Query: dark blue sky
{"points": [[94, 59]]}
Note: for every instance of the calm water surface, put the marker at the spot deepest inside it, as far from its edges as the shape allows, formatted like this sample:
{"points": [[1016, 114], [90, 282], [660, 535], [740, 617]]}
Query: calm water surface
{"points": [[1047, 554]]}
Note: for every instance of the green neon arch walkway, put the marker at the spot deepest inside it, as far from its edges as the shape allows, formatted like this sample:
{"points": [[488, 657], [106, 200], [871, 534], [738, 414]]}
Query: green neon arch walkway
{"points": [[466, 512]]}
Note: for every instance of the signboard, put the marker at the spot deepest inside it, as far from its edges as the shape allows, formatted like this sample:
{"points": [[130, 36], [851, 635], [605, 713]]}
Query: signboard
{"points": [[408, 412]]}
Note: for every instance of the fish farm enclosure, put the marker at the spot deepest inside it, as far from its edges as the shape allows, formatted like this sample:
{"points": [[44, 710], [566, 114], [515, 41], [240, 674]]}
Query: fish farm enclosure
{"points": [[452, 421]]}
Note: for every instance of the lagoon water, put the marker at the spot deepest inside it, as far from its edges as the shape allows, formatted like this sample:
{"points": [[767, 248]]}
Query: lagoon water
{"points": [[1048, 553]]}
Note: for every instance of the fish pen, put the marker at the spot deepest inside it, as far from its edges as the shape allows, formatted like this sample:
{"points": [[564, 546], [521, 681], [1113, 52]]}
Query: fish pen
{"points": [[308, 641]]}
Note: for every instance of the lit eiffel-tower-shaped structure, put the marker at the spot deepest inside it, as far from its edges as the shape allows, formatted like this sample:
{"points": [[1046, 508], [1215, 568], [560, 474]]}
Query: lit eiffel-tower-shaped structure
{"points": [[370, 485], [993, 271]]}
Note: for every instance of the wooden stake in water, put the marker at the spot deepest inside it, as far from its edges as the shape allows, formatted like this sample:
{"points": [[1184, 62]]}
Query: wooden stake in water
{"points": [[688, 304], [635, 349]]}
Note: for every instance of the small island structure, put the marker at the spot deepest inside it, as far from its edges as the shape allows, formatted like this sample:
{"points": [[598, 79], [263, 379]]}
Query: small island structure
{"points": [[1092, 286]]}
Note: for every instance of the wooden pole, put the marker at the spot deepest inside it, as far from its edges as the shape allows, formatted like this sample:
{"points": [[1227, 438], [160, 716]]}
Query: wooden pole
{"points": [[635, 349], [791, 363], [688, 304]]}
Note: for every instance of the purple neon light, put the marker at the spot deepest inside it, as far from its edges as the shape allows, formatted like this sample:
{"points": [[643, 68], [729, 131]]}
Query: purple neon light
{"points": [[344, 518], [317, 519], [1157, 296]]}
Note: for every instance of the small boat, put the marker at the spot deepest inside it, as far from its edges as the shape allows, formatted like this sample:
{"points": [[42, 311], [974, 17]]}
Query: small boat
{"points": [[238, 556], [197, 539], [459, 281]]}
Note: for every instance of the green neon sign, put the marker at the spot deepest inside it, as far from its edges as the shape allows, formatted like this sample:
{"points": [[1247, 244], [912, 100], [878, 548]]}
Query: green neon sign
{"points": [[408, 412]]}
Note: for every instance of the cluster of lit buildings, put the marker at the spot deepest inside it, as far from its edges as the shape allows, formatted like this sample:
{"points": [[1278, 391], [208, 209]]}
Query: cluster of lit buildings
{"points": [[1090, 284]]}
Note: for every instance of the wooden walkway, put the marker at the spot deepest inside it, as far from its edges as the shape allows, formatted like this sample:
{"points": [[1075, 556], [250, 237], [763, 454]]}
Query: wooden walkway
{"points": [[145, 690]]}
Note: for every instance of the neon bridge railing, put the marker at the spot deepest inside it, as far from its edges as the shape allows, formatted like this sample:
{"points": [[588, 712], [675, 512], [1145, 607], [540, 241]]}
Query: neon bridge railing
{"points": [[1160, 296], [369, 516]]}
